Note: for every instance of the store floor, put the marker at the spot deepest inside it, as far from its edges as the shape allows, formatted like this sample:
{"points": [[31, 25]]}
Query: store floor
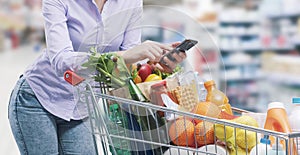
{"points": [[12, 64]]}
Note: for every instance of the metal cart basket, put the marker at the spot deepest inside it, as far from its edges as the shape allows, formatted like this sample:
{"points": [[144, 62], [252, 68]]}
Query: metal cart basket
{"points": [[113, 120]]}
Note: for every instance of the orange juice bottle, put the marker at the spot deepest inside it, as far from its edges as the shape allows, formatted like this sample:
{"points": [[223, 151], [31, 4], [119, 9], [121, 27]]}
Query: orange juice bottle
{"points": [[214, 95], [277, 120]]}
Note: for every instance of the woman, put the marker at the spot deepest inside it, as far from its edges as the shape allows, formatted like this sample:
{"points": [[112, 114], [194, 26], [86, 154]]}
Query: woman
{"points": [[42, 108]]}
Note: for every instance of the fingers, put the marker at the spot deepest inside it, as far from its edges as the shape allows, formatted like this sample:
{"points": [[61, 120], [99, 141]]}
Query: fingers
{"points": [[175, 44], [170, 65], [154, 51], [163, 46]]}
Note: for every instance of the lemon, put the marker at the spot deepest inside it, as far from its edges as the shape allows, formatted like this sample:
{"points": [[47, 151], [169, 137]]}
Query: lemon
{"points": [[246, 120], [222, 131], [238, 151], [246, 139]]}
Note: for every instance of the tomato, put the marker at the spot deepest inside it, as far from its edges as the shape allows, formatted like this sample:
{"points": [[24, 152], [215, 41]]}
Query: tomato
{"points": [[144, 71], [153, 77], [137, 79]]}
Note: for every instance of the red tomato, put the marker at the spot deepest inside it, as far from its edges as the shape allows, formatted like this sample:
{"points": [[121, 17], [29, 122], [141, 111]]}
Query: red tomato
{"points": [[144, 71]]}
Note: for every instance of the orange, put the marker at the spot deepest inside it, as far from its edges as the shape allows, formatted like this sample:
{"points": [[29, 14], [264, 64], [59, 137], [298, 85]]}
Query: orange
{"points": [[206, 109], [204, 132], [225, 115], [181, 132], [137, 79]]}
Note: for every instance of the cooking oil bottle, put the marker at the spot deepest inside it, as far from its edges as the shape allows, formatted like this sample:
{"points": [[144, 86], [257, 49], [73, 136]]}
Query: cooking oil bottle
{"points": [[216, 96]]}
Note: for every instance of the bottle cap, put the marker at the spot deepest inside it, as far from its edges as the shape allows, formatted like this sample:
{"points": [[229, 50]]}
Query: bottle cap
{"points": [[265, 140], [114, 107], [209, 83], [296, 100], [276, 105]]}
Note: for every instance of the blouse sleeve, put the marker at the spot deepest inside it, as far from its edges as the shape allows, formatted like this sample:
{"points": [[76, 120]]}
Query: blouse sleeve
{"points": [[59, 46]]}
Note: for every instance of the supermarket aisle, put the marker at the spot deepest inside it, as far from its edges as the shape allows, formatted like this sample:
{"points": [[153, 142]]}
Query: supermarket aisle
{"points": [[12, 64]]}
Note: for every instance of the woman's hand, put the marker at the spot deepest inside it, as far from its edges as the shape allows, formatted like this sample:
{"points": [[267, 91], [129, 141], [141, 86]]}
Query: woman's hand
{"points": [[169, 64], [148, 49]]}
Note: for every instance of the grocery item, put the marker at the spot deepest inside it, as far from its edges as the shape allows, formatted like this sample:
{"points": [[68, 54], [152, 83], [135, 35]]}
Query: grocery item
{"points": [[246, 139], [276, 149], [185, 97], [181, 132], [225, 115], [156, 91], [216, 96], [206, 109], [144, 71], [236, 137], [294, 119], [117, 126], [176, 151], [223, 132], [204, 132], [170, 105], [259, 117], [135, 91], [187, 93], [246, 120], [213, 149], [238, 151], [202, 92], [153, 77], [263, 148], [277, 120]]}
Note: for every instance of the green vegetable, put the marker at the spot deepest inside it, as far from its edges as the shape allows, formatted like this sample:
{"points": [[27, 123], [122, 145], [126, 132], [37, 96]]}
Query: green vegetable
{"points": [[110, 68], [164, 75]]}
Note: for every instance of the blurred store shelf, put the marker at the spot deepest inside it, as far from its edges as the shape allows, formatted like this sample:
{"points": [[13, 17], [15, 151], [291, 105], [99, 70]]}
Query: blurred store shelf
{"points": [[234, 63], [282, 16], [257, 49], [242, 78], [284, 79]]}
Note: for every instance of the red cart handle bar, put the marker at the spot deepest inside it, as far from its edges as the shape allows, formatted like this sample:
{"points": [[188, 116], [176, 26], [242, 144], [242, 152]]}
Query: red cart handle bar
{"points": [[72, 78]]}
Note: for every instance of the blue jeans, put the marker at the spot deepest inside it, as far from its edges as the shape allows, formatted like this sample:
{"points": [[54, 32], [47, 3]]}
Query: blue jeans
{"points": [[38, 132]]}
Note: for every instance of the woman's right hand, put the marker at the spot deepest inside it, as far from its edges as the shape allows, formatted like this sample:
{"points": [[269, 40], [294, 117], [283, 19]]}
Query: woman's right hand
{"points": [[148, 49]]}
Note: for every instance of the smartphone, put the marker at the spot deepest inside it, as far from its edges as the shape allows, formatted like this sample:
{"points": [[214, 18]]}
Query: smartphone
{"points": [[185, 45], [182, 47]]}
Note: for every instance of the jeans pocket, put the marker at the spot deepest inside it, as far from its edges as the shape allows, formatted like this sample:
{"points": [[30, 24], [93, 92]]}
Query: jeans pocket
{"points": [[26, 97], [26, 88]]}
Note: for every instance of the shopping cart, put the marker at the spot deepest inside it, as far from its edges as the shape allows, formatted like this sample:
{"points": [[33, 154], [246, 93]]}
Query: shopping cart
{"points": [[112, 119]]}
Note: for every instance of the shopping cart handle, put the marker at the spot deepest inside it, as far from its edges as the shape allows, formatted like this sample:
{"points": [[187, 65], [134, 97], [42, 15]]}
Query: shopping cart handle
{"points": [[72, 78]]}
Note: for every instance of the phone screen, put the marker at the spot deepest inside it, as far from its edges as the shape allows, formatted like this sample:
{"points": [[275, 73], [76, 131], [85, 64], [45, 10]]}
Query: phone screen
{"points": [[182, 47], [186, 45]]}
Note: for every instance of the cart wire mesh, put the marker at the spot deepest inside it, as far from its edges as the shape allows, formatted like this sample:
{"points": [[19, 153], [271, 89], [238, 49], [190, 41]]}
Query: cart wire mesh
{"points": [[116, 130]]}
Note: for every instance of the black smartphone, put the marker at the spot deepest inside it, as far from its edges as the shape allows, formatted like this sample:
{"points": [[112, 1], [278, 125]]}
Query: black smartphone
{"points": [[182, 47], [185, 45]]}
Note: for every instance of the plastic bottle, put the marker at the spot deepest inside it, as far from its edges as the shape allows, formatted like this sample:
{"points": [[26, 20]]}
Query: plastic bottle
{"points": [[202, 92], [117, 127], [277, 120], [214, 95], [263, 147], [155, 94], [212, 148], [276, 149], [294, 119]]}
